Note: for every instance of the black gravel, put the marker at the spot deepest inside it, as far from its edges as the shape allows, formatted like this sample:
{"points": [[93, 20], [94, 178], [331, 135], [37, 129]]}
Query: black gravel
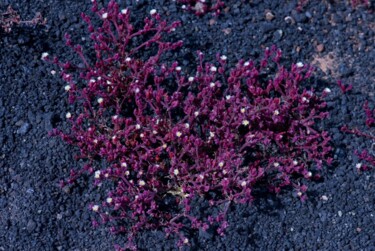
{"points": [[35, 214]]}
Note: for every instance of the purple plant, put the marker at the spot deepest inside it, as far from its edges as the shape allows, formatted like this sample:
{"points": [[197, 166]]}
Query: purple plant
{"points": [[356, 3], [344, 88], [11, 18], [167, 136], [367, 158]]}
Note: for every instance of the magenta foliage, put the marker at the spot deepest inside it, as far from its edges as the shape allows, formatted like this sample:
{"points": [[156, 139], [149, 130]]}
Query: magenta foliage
{"points": [[356, 3], [364, 155], [167, 135], [344, 88], [370, 115]]}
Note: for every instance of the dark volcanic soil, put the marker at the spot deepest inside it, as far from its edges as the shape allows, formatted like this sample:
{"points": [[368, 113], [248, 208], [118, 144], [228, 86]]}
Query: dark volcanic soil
{"points": [[35, 214]]}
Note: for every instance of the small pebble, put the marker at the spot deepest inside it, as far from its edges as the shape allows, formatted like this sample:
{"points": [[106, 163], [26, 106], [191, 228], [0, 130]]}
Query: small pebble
{"points": [[212, 22], [269, 16], [289, 20], [227, 31], [31, 225], [24, 128], [277, 35], [320, 48]]}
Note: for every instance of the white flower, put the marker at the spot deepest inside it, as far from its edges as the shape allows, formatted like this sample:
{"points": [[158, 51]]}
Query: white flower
{"points": [[299, 194], [153, 12], [68, 115], [225, 171], [109, 82], [309, 174], [299, 64], [187, 125], [196, 114], [164, 146], [276, 112], [115, 117], [95, 208], [141, 183], [228, 97], [295, 162], [92, 81], [212, 84], [186, 241], [178, 68], [128, 59], [44, 55], [123, 164], [191, 79], [276, 164], [100, 100], [109, 200], [176, 172], [127, 173], [183, 7], [212, 134], [154, 132], [178, 134], [138, 126], [327, 90], [243, 183], [358, 165], [141, 135], [305, 100], [223, 57], [221, 164], [97, 174], [245, 122], [247, 63], [67, 88], [243, 110], [105, 15], [213, 69], [137, 90], [124, 11], [53, 72]]}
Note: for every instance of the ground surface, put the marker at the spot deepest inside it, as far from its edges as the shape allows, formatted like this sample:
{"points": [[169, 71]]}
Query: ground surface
{"points": [[35, 214]]}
